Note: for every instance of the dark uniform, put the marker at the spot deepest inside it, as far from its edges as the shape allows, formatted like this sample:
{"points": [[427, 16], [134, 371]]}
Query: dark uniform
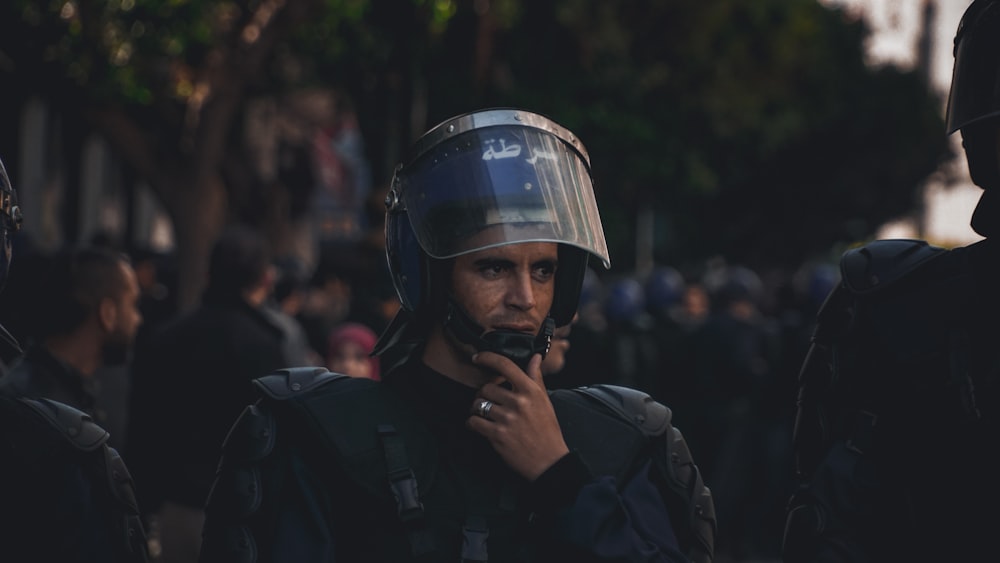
{"points": [[66, 495], [899, 401], [329, 468], [898, 409], [422, 487]]}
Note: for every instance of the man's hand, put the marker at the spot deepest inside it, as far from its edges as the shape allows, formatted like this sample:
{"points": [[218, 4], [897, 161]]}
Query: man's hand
{"points": [[521, 425]]}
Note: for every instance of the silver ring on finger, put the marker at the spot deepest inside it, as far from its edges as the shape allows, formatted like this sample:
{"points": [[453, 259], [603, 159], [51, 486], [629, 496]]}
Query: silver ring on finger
{"points": [[483, 409]]}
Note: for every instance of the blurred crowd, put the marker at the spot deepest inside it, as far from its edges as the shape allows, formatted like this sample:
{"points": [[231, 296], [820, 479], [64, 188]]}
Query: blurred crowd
{"points": [[718, 344], [721, 346]]}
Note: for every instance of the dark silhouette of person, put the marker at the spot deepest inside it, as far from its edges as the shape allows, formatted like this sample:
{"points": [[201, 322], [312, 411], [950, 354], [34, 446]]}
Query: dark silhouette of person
{"points": [[190, 384], [899, 396]]}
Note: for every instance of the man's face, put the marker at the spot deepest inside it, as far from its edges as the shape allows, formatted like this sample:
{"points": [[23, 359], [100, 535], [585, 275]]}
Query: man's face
{"points": [[508, 287], [127, 319]]}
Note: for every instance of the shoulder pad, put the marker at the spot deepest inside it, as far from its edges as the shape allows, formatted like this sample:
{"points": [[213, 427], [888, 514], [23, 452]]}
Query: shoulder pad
{"points": [[635, 406], [75, 425], [252, 437], [880, 263], [286, 383]]}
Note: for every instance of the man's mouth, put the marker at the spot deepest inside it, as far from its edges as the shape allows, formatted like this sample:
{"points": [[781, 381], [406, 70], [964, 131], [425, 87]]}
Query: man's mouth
{"points": [[525, 328]]}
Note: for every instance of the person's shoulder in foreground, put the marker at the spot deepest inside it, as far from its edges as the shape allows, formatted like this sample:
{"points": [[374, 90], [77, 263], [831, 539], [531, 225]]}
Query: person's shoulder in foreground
{"points": [[60, 474], [460, 452], [904, 362]]}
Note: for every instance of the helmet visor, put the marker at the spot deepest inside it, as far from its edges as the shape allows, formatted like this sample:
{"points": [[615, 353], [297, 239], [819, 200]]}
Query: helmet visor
{"points": [[500, 185], [975, 84]]}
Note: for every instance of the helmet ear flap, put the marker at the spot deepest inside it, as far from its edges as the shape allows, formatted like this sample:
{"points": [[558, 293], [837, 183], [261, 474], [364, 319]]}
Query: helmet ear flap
{"points": [[418, 279], [404, 257], [569, 283]]}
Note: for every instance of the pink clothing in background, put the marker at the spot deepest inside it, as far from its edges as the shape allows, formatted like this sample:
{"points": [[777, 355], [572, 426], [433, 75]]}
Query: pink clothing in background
{"points": [[348, 351]]}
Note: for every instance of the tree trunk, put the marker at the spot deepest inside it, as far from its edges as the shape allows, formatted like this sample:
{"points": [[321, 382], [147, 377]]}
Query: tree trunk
{"points": [[198, 219]]}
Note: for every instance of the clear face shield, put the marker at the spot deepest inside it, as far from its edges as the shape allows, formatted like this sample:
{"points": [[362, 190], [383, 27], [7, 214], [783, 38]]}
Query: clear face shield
{"points": [[498, 178]]}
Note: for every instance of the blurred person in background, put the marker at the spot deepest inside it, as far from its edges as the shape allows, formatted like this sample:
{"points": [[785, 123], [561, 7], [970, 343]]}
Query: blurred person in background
{"points": [[630, 336], [283, 308], [349, 351], [87, 317], [66, 495], [192, 381], [737, 356]]}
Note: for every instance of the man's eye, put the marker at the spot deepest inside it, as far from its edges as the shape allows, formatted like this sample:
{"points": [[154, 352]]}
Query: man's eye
{"points": [[545, 272], [492, 270]]}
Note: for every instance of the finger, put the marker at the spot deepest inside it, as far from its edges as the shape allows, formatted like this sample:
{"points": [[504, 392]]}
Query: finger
{"points": [[479, 425], [496, 392], [534, 370], [486, 409], [479, 406], [505, 367]]}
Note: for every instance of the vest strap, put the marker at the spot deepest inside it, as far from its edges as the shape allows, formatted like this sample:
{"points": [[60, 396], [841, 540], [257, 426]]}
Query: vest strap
{"points": [[403, 484], [474, 535]]}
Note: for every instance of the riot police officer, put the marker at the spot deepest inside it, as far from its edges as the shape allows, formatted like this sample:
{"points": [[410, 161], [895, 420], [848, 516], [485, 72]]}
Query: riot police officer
{"points": [[460, 453], [899, 402], [66, 496]]}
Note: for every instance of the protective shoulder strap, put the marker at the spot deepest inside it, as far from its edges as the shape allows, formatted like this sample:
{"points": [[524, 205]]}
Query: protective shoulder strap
{"points": [[650, 417], [87, 436], [75, 425], [881, 263], [287, 383], [633, 423], [360, 426]]}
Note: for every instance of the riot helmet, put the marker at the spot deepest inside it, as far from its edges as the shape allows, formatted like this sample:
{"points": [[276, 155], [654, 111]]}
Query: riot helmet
{"points": [[10, 222], [625, 302], [974, 104], [664, 288], [486, 179], [975, 83]]}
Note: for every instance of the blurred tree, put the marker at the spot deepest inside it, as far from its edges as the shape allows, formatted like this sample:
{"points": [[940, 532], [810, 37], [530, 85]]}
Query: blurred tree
{"points": [[752, 129], [167, 83]]}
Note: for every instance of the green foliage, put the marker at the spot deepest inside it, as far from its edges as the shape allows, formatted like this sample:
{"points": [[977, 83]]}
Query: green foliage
{"points": [[753, 129]]}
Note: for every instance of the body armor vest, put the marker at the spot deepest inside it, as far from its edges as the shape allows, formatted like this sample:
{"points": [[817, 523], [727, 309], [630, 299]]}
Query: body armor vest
{"points": [[58, 433], [897, 406], [418, 501]]}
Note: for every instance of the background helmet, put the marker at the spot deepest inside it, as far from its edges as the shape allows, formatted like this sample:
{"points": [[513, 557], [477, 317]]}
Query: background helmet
{"points": [[974, 105], [487, 179], [10, 222], [626, 301], [664, 288], [975, 83]]}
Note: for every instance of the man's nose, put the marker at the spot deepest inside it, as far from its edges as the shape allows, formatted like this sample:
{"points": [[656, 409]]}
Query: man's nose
{"points": [[521, 294]]}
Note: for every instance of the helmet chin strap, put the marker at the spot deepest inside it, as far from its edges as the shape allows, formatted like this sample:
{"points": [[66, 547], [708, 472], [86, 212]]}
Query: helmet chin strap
{"points": [[517, 346]]}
